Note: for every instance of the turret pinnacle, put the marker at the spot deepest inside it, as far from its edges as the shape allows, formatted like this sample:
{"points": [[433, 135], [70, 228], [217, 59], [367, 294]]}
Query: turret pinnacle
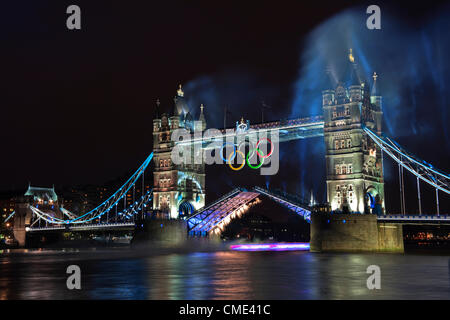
{"points": [[329, 81], [353, 77], [180, 106], [180, 92], [158, 103], [374, 91], [202, 118], [350, 56]]}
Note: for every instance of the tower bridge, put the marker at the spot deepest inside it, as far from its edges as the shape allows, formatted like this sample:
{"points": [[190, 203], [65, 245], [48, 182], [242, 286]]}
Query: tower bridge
{"points": [[351, 127]]}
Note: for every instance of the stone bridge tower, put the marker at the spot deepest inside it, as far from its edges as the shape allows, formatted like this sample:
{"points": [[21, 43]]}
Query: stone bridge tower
{"points": [[177, 189], [353, 161]]}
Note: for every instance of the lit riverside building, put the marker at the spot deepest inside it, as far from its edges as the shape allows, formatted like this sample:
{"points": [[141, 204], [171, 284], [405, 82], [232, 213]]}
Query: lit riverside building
{"points": [[353, 161]]}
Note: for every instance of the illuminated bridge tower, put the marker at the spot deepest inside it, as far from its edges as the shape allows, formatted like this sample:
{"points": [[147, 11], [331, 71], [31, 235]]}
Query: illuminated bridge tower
{"points": [[353, 161], [177, 189]]}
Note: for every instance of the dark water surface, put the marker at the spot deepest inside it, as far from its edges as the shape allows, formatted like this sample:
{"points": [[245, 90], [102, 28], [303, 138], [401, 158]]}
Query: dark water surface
{"points": [[126, 274]]}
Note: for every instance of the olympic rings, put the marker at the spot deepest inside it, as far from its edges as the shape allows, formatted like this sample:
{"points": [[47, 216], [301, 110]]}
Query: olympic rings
{"points": [[257, 166], [233, 154], [250, 145], [271, 148], [250, 154], [243, 161]]}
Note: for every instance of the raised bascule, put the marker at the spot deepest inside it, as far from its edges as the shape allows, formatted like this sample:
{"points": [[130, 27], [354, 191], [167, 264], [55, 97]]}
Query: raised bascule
{"points": [[351, 126]]}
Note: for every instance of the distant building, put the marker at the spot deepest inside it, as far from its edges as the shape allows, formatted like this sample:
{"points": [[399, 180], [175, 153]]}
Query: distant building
{"points": [[39, 195], [44, 199], [7, 207]]}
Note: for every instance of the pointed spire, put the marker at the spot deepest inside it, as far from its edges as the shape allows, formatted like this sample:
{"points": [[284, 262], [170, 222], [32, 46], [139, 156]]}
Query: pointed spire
{"points": [[351, 58], [175, 107], [329, 81], [180, 92], [158, 103], [374, 91], [180, 106], [353, 79], [201, 118]]}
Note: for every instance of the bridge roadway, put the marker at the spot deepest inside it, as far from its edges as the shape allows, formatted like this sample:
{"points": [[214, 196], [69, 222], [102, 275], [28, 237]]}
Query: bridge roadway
{"points": [[404, 219], [206, 219], [287, 130], [415, 219], [85, 227]]}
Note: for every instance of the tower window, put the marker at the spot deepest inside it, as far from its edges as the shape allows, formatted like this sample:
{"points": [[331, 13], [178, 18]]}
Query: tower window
{"points": [[349, 143], [338, 169], [336, 144], [342, 144], [350, 168], [344, 169]]}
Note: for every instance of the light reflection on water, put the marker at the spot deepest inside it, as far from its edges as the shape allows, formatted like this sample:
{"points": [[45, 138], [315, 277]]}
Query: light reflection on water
{"points": [[121, 274]]}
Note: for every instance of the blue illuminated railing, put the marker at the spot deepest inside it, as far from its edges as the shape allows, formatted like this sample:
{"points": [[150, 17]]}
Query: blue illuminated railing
{"points": [[421, 169], [293, 206], [104, 207]]}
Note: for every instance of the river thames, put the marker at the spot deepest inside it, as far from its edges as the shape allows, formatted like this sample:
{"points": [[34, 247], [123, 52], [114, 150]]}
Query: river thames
{"points": [[126, 274]]}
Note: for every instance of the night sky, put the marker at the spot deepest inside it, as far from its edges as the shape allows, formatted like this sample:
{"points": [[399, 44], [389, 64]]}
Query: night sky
{"points": [[77, 106]]}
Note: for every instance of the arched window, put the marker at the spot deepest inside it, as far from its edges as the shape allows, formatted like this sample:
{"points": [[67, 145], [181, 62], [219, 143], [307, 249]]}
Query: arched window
{"points": [[338, 169]]}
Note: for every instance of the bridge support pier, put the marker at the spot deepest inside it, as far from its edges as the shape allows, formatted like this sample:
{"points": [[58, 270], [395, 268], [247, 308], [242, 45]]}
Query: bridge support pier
{"points": [[354, 233], [22, 219], [162, 233]]}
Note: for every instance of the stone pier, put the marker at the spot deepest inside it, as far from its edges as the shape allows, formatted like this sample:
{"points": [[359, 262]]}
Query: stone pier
{"points": [[162, 233], [354, 233], [22, 219]]}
